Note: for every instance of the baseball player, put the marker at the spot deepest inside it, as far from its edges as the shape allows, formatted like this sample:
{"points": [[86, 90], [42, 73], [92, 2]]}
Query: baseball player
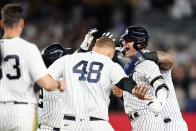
{"points": [[90, 77], [144, 114], [171, 112], [21, 66], [50, 103]]}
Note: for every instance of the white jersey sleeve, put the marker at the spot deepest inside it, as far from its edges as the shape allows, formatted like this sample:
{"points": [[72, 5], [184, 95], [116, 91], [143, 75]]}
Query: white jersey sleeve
{"points": [[116, 73], [150, 70], [38, 69]]}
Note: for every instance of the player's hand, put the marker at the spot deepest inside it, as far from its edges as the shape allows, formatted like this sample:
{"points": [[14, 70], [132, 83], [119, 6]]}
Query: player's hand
{"points": [[62, 85], [117, 92], [156, 106], [109, 35], [140, 92], [88, 39]]}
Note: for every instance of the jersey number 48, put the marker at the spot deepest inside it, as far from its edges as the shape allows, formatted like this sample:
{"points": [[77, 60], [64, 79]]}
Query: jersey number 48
{"points": [[87, 74]]}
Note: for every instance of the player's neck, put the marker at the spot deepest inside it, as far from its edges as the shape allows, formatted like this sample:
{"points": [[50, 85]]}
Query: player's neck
{"points": [[11, 33], [102, 51]]}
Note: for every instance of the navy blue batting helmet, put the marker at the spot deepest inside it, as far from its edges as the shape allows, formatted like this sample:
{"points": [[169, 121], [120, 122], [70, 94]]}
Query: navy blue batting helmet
{"points": [[52, 52], [136, 34]]}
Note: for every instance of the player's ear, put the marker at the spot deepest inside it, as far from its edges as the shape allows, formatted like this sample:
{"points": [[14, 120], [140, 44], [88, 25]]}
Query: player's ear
{"points": [[22, 23], [1, 24], [110, 54], [93, 48]]}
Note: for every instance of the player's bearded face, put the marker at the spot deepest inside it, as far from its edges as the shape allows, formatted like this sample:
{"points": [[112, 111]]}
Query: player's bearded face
{"points": [[129, 49]]}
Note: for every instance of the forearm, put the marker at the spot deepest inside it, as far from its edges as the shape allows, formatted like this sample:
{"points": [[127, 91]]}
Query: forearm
{"points": [[162, 95], [161, 89], [163, 59], [48, 83]]}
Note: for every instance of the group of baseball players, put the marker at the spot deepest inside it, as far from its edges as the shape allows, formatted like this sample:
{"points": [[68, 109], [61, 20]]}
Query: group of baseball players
{"points": [[74, 85]]}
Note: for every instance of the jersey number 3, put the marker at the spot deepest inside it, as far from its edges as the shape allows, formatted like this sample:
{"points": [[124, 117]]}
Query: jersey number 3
{"points": [[15, 67], [93, 75]]}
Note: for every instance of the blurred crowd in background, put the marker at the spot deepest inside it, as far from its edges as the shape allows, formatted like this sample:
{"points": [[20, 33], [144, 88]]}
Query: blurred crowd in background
{"points": [[170, 23]]}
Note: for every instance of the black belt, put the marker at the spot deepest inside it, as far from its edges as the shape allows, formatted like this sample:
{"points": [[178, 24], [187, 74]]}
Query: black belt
{"points": [[134, 115], [15, 102], [54, 129], [73, 118], [167, 120]]}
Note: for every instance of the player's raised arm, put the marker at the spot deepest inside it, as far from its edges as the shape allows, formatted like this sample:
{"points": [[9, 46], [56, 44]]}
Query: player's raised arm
{"points": [[163, 59], [84, 47]]}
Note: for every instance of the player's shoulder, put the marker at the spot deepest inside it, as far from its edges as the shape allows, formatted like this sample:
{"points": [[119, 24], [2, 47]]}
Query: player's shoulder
{"points": [[26, 43], [64, 58], [115, 66], [147, 64], [22, 41], [16, 40], [166, 71]]}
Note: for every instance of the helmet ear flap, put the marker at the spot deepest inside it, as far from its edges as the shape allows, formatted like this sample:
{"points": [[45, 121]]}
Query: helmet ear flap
{"points": [[138, 45]]}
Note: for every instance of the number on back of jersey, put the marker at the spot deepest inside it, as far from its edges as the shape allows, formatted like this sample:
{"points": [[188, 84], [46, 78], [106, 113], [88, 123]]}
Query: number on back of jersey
{"points": [[92, 75]]}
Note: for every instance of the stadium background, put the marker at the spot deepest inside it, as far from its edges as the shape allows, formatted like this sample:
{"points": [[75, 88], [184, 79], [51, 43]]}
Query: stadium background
{"points": [[171, 25]]}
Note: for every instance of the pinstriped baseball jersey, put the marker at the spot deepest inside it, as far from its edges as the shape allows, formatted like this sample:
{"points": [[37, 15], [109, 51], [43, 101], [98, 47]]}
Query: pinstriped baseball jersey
{"points": [[171, 109], [50, 108], [50, 103], [89, 79], [22, 65], [171, 106], [143, 74]]}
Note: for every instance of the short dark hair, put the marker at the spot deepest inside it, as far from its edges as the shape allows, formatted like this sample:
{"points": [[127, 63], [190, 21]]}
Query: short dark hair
{"points": [[11, 14], [105, 42]]}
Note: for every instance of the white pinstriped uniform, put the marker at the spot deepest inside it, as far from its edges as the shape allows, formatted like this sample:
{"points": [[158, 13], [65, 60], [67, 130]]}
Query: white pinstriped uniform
{"points": [[89, 79], [22, 66], [49, 110], [171, 109], [143, 74]]}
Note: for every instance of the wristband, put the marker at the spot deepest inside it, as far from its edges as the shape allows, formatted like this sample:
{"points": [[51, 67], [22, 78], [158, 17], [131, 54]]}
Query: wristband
{"points": [[82, 50]]}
